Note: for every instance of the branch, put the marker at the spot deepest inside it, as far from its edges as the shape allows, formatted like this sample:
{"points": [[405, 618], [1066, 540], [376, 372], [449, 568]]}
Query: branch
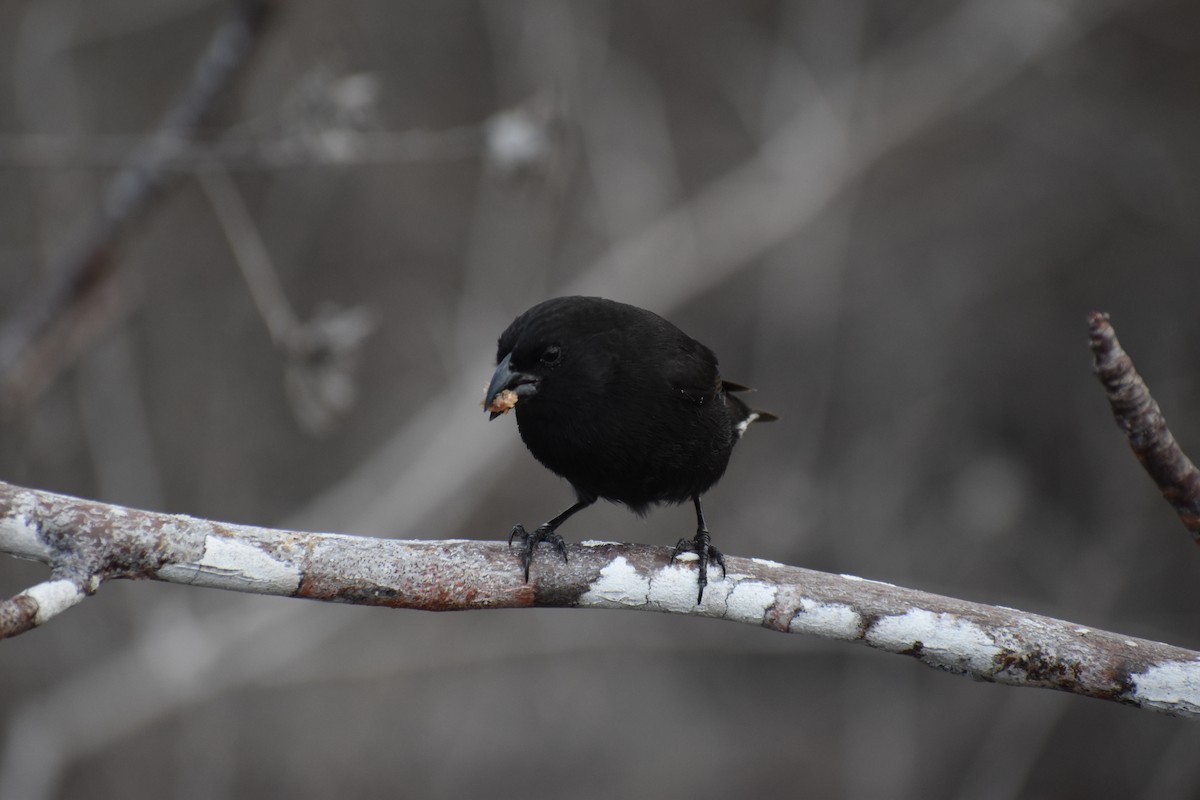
{"points": [[63, 316], [1142, 420], [86, 543]]}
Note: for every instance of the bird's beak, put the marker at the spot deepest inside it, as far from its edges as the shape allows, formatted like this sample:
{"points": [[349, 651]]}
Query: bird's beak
{"points": [[523, 384]]}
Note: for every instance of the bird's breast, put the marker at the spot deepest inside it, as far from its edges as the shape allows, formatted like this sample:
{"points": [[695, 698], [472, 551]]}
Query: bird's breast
{"points": [[636, 452]]}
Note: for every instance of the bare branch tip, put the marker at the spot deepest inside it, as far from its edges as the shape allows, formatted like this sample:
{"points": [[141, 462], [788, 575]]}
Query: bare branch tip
{"points": [[1139, 416], [1100, 333]]}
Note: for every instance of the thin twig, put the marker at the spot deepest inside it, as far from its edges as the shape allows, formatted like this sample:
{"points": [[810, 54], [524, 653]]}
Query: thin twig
{"points": [[252, 258], [329, 148], [1142, 420], [321, 354]]}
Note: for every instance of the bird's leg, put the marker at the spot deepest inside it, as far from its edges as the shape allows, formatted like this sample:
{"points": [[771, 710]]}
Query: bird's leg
{"points": [[547, 532], [702, 547]]}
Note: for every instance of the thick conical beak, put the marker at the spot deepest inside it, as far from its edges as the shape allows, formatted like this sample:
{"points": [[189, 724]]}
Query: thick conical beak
{"points": [[505, 378]]}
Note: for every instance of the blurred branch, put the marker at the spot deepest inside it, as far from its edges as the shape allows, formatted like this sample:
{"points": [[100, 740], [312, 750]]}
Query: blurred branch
{"points": [[45, 335], [525, 141], [1139, 416], [529, 138], [321, 354], [87, 542], [320, 125], [331, 147], [815, 155]]}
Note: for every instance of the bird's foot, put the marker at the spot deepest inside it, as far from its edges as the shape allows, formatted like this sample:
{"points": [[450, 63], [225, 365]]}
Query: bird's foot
{"points": [[706, 553], [530, 540]]}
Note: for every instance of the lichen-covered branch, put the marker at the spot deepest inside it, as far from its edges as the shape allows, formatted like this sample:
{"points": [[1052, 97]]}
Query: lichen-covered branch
{"points": [[1140, 417], [86, 543]]}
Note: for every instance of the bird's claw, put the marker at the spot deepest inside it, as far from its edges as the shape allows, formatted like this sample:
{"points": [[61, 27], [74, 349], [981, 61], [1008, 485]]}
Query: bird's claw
{"points": [[529, 541], [705, 553]]}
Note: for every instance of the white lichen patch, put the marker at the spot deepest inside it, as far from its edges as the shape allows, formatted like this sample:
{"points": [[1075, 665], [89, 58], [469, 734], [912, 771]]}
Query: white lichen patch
{"points": [[595, 543], [941, 640], [829, 620], [749, 601], [670, 588], [674, 588], [619, 585], [766, 562], [1173, 687], [240, 566], [53, 597]]}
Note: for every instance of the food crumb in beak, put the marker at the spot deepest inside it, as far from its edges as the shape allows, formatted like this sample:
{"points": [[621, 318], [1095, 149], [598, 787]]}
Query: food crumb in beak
{"points": [[502, 402]]}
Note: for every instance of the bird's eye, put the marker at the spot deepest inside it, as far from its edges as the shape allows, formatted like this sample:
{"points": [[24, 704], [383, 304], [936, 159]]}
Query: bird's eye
{"points": [[550, 354]]}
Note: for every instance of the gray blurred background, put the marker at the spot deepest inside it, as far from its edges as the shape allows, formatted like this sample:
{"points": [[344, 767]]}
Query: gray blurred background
{"points": [[889, 218]]}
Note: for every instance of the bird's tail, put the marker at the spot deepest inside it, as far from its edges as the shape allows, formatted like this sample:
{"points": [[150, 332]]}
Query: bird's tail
{"points": [[743, 414]]}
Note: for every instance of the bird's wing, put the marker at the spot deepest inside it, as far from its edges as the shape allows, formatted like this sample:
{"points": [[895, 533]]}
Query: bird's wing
{"points": [[692, 371]]}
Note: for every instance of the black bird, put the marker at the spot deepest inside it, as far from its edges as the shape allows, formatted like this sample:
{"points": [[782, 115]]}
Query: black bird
{"points": [[622, 404]]}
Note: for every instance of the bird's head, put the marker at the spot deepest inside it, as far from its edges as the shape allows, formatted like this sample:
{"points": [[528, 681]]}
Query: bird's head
{"points": [[518, 377], [544, 348]]}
